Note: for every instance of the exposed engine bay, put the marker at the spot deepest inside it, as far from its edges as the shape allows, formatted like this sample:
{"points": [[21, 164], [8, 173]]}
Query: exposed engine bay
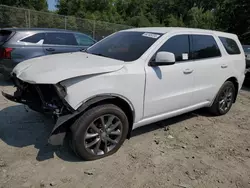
{"points": [[43, 98]]}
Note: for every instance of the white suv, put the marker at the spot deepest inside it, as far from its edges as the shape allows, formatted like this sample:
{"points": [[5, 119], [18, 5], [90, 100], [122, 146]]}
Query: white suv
{"points": [[130, 79]]}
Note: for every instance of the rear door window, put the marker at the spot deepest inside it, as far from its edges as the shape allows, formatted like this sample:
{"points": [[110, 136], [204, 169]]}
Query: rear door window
{"points": [[4, 35], [84, 40], [35, 39], [60, 39], [204, 46], [230, 45]]}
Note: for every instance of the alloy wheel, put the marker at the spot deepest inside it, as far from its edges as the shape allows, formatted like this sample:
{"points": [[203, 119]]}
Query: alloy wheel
{"points": [[103, 134], [226, 99]]}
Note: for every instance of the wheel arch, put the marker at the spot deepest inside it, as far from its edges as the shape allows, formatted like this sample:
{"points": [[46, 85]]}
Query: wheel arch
{"points": [[236, 85], [118, 100], [63, 123]]}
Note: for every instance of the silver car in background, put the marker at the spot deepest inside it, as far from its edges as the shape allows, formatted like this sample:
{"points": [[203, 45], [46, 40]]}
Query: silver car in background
{"points": [[17, 44]]}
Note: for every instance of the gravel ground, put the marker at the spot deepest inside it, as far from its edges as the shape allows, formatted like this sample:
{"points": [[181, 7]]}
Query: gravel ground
{"points": [[194, 150]]}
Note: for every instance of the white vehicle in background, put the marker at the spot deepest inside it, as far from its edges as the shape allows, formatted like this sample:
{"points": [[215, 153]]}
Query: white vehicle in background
{"points": [[130, 79]]}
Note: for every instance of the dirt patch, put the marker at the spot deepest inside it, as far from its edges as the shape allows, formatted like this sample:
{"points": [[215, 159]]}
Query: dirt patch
{"points": [[192, 150]]}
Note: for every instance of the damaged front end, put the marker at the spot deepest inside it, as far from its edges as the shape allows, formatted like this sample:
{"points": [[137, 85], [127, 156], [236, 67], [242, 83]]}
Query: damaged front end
{"points": [[47, 99]]}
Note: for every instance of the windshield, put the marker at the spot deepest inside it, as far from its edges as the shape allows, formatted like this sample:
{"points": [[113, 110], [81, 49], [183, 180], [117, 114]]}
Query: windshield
{"points": [[125, 46], [246, 48]]}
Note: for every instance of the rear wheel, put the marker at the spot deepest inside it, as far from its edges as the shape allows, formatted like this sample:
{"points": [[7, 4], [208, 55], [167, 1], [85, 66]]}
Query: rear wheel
{"points": [[99, 132], [224, 99]]}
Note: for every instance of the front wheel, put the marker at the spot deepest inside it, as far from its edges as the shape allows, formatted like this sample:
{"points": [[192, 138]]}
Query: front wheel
{"points": [[99, 132], [224, 99]]}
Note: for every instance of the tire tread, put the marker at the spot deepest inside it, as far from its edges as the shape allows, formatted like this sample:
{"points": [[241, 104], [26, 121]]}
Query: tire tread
{"points": [[80, 124]]}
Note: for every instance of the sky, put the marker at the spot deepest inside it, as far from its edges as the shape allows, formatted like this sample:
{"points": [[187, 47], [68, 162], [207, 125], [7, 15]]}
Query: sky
{"points": [[52, 4]]}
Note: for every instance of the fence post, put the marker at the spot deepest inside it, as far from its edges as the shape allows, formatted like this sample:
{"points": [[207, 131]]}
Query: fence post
{"points": [[94, 28], [29, 17], [65, 22], [26, 19]]}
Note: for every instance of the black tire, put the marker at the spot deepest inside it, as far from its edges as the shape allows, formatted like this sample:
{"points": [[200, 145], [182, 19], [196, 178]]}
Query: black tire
{"points": [[215, 108], [82, 125]]}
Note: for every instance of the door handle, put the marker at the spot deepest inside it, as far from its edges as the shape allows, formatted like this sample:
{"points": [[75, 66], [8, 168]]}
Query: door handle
{"points": [[50, 49], [224, 66], [188, 71]]}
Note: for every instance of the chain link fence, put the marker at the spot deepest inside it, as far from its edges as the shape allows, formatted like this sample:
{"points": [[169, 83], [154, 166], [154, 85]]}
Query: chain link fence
{"points": [[27, 18]]}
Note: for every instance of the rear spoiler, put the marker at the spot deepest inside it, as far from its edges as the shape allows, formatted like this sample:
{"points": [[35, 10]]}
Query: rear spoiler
{"points": [[6, 31]]}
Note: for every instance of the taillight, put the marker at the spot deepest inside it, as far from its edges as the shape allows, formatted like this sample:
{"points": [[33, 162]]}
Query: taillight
{"points": [[5, 53]]}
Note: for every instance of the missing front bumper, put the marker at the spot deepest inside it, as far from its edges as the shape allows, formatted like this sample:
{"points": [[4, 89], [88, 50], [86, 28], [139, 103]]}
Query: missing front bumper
{"points": [[46, 100], [56, 137], [13, 98]]}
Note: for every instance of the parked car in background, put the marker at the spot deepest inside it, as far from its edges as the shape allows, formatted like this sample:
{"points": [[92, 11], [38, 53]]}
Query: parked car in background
{"points": [[247, 54], [130, 79], [17, 45]]}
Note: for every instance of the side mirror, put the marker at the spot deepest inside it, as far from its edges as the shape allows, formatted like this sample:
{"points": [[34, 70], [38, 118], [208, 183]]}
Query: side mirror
{"points": [[163, 59]]}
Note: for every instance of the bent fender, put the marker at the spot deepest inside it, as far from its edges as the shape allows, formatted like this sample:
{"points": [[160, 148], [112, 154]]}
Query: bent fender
{"points": [[59, 131]]}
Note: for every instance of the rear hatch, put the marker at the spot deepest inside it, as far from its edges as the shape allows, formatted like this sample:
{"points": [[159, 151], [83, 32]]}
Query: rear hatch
{"points": [[5, 35]]}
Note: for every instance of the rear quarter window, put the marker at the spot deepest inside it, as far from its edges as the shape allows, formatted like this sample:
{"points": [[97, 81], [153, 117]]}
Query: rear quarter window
{"points": [[230, 46], [36, 38]]}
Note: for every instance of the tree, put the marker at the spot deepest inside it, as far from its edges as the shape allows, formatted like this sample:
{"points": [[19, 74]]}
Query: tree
{"points": [[173, 21], [91, 16], [31, 4], [14, 17], [198, 18], [233, 16], [139, 21]]}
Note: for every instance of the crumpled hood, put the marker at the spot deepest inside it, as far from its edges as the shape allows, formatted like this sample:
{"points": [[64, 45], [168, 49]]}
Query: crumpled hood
{"points": [[52, 69]]}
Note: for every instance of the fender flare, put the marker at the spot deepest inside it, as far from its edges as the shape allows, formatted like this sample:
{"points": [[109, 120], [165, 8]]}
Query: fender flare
{"points": [[234, 80], [58, 133]]}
